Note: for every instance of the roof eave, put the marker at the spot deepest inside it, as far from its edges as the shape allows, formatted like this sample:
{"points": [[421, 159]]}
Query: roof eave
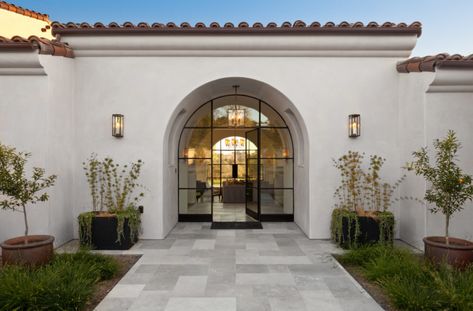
{"points": [[237, 31]]}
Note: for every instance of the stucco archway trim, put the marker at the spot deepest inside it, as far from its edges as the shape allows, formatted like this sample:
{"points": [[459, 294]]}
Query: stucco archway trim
{"points": [[255, 88]]}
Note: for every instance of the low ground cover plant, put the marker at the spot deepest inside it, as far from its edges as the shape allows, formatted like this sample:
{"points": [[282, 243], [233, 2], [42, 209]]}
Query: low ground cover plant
{"points": [[411, 282], [64, 284]]}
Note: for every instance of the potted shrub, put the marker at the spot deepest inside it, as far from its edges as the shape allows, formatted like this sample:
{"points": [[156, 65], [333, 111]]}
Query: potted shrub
{"points": [[114, 222], [17, 191], [449, 189], [361, 214]]}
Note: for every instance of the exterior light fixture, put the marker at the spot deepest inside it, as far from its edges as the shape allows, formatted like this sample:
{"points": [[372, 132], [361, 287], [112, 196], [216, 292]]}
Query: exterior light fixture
{"points": [[118, 125], [354, 125]]}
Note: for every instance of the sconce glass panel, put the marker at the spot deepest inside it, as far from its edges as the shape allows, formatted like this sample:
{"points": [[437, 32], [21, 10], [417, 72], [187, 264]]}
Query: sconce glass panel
{"points": [[118, 125], [354, 125]]}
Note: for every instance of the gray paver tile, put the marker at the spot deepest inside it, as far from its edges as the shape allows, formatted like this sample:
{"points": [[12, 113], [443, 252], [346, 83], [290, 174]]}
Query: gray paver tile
{"points": [[253, 304], [273, 269], [190, 286], [114, 304], [149, 301], [201, 304]]}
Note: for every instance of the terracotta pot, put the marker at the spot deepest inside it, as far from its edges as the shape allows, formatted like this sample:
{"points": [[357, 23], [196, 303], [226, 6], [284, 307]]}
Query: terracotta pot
{"points": [[38, 251], [458, 253]]}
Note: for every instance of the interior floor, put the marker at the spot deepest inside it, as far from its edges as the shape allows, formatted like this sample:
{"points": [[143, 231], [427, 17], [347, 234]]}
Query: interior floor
{"points": [[225, 212], [230, 212]]}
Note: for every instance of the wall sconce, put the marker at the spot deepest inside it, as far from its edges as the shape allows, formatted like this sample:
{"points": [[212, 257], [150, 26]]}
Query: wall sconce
{"points": [[118, 125], [354, 125]]}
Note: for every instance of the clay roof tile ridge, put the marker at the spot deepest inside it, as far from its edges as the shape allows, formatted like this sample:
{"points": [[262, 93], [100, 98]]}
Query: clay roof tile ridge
{"points": [[298, 26], [432, 62]]}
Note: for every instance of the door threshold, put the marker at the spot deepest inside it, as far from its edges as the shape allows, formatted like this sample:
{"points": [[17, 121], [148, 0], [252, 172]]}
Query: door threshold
{"points": [[236, 225]]}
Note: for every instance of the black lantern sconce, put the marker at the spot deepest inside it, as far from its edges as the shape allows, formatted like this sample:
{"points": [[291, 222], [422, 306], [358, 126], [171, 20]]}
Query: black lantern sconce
{"points": [[354, 125], [118, 125]]}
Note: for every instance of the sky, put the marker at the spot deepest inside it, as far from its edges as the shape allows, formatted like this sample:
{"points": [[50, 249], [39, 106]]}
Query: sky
{"points": [[447, 24]]}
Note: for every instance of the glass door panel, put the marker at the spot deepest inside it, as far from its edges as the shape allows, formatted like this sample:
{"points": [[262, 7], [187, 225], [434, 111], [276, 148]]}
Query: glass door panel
{"points": [[235, 112], [194, 173], [277, 201], [235, 154], [195, 143], [252, 174], [195, 201], [275, 143], [276, 173]]}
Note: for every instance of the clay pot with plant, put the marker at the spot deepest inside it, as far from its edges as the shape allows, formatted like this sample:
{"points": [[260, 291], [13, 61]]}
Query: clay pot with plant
{"points": [[361, 215], [115, 220], [450, 188], [17, 193]]}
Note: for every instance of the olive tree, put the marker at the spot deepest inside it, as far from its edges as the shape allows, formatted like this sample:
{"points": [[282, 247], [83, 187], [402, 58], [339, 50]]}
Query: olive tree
{"points": [[17, 190]]}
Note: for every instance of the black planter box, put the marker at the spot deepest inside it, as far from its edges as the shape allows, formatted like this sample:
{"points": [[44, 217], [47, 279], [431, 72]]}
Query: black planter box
{"points": [[369, 231], [104, 234]]}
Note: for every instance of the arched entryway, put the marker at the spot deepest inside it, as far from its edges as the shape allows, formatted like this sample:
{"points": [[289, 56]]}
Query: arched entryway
{"points": [[235, 162], [201, 92]]}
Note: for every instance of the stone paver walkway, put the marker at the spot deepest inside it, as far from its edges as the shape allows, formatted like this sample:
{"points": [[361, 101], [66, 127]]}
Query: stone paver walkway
{"points": [[196, 268]]}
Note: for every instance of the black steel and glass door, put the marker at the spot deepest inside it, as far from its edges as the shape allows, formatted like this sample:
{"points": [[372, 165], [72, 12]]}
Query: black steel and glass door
{"points": [[235, 163], [252, 206]]}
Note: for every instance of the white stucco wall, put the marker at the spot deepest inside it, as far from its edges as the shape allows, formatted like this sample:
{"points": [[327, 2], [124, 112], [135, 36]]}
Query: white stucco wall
{"points": [[63, 114], [431, 104], [35, 116], [21, 113], [412, 88], [449, 106], [147, 91]]}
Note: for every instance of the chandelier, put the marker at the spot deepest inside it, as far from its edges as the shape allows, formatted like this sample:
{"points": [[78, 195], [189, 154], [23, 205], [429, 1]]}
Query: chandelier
{"points": [[234, 142], [236, 117]]}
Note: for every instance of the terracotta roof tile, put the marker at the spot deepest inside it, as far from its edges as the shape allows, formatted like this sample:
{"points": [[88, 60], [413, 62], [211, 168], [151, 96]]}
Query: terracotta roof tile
{"points": [[298, 27], [26, 12], [44, 46], [430, 63]]}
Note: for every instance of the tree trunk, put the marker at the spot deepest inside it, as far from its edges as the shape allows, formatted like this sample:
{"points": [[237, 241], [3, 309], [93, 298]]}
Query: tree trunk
{"points": [[26, 224], [447, 222]]}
